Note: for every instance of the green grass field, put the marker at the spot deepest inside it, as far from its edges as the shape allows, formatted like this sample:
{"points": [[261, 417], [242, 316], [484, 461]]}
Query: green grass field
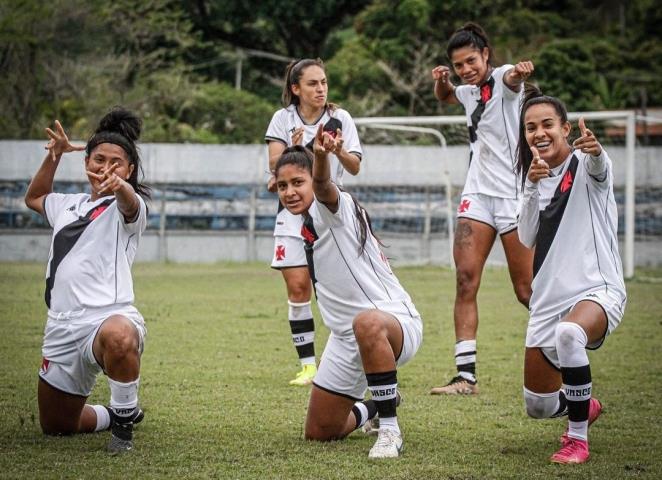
{"points": [[217, 403]]}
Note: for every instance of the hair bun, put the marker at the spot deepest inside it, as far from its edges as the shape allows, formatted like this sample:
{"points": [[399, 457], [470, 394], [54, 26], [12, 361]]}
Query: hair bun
{"points": [[531, 91], [122, 121]]}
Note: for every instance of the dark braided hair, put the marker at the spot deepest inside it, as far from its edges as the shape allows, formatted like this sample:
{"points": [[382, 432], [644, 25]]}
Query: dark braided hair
{"points": [[533, 96], [469, 35], [122, 127], [303, 158]]}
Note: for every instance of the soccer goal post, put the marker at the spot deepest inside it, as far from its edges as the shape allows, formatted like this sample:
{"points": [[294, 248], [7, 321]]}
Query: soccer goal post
{"points": [[447, 137]]}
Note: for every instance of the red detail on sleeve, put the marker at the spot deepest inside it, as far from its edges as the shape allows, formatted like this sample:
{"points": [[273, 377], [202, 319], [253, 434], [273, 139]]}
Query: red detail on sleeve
{"points": [[464, 206]]}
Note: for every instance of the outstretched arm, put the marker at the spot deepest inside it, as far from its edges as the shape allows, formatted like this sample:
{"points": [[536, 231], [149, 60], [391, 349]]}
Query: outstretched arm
{"points": [[42, 181], [444, 90], [127, 200], [324, 189], [516, 76], [349, 161]]}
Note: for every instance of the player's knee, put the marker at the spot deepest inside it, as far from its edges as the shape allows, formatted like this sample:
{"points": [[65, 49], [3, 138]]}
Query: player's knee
{"points": [[321, 433], [540, 405], [467, 282], [121, 342], [367, 325], [568, 334]]}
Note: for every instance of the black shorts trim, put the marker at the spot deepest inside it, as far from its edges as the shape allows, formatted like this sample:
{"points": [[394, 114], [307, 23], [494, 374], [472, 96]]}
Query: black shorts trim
{"points": [[337, 393], [604, 335], [514, 229], [41, 379], [289, 266]]}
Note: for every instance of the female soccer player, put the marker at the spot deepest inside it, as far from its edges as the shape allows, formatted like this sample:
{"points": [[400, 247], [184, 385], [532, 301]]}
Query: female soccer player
{"points": [[569, 214], [305, 100], [491, 98], [374, 325], [92, 325]]}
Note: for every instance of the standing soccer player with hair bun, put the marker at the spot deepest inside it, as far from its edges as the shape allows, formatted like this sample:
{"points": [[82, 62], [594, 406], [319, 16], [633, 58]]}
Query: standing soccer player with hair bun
{"points": [[92, 325], [306, 107], [569, 215], [491, 98]]}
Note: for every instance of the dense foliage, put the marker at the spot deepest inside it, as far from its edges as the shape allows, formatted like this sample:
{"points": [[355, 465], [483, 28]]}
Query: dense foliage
{"points": [[180, 64]]}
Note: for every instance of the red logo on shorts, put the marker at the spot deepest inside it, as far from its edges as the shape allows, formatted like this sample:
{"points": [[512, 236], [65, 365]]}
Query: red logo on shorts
{"points": [[280, 252], [464, 206], [45, 362]]}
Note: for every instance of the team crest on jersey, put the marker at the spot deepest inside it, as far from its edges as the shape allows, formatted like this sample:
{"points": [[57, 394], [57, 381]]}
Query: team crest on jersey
{"points": [[280, 252], [464, 206], [98, 211], [308, 234], [566, 183], [45, 362], [486, 92]]}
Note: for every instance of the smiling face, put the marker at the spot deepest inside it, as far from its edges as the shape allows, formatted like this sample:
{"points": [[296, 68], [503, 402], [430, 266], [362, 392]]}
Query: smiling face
{"points": [[102, 157], [295, 188], [471, 64], [312, 88], [545, 130]]}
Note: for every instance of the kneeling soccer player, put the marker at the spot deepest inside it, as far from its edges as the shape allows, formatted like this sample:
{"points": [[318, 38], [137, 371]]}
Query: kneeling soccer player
{"points": [[569, 213], [92, 325], [374, 325]]}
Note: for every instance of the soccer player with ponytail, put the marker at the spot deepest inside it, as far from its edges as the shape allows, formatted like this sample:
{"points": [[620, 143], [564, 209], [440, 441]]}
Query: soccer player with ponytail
{"points": [[374, 325], [568, 214]]}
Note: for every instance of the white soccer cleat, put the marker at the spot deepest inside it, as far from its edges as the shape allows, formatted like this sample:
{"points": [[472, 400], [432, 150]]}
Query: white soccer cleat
{"points": [[388, 444]]}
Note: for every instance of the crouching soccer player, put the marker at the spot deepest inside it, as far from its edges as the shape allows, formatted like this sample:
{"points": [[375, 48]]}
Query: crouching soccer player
{"points": [[374, 325], [569, 213], [92, 325]]}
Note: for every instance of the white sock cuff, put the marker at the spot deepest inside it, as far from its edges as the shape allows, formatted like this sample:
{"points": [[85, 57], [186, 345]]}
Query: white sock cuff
{"points": [[573, 330], [465, 346], [571, 345], [541, 405], [103, 418], [123, 396], [363, 410], [299, 311]]}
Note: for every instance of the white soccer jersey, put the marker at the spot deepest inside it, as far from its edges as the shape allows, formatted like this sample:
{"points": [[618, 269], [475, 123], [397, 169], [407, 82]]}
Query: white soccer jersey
{"points": [[493, 120], [571, 218], [346, 282], [92, 250], [284, 122]]}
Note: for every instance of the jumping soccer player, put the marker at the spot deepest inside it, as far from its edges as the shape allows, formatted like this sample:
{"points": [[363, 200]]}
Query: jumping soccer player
{"points": [[569, 215], [306, 107], [491, 98], [374, 325], [92, 325]]}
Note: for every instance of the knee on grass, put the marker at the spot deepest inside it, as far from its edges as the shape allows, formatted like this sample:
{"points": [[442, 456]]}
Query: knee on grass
{"points": [[541, 405]]}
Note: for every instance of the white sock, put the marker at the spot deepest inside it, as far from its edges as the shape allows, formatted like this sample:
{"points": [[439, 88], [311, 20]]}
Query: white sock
{"points": [[390, 423], [123, 396], [103, 418]]}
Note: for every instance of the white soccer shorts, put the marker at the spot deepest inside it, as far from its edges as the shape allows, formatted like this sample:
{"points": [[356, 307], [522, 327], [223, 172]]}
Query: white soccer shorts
{"points": [[68, 362], [498, 213], [341, 371], [542, 333]]}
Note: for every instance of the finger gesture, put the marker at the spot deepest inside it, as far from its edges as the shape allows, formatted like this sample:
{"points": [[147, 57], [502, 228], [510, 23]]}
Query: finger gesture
{"points": [[441, 73], [108, 181], [522, 70], [539, 168], [587, 143], [338, 142], [59, 142], [297, 136], [324, 142]]}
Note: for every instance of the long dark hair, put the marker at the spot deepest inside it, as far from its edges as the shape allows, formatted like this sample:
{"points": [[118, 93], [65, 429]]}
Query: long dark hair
{"points": [[469, 35], [293, 74], [303, 158], [122, 127], [533, 96]]}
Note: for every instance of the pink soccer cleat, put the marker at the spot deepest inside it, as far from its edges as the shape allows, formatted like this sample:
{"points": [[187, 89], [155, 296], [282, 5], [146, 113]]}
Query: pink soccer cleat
{"points": [[573, 450]]}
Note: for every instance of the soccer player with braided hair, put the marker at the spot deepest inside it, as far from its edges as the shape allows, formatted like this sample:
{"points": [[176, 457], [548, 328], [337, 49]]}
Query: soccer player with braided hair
{"points": [[92, 325]]}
